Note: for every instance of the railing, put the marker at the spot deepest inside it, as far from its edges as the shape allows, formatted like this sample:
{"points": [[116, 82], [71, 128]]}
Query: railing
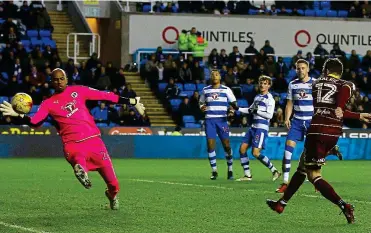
{"points": [[76, 45], [187, 53]]}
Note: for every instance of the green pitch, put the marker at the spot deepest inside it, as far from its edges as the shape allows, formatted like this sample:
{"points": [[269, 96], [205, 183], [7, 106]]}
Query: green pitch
{"points": [[42, 195]]}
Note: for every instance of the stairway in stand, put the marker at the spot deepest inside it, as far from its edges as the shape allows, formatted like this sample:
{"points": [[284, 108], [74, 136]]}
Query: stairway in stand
{"points": [[62, 27], [155, 110]]}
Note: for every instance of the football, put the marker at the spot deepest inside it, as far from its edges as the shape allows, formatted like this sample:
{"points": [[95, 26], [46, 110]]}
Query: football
{"points": [[22, 103]]}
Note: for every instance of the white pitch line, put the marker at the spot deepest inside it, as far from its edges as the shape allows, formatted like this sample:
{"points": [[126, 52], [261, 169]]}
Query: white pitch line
{"points": [[21, 228], [229, 188]]}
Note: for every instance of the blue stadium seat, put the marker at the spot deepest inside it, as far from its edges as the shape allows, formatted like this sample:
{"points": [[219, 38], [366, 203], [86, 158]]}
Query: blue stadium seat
{"points": [[190, 87], [102, 124], [300, 11], [45, 33], [4, 98], [175, 104], [180, 86], [331, 13], [242, 103], [2, 21], [247, 88], [253, 12], [26, 43], [283, 96], [289, 11], [325, 5], [369, 96], [321, 13], [161, 87], [174, 9], [146, 8], [309, 12], [343, 14], [186, 93], [287, 61], [34, 108], [316, 5], [52, 91], [192, 125], [189, 119], [32, 33], [36, 41], [5, 75], [200, 86], [47, 41], [46, 124], [291, 74], [111, 124]]}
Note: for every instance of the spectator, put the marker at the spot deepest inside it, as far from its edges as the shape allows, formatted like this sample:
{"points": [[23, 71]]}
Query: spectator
{"points": [[132, 119], [13, 86], [352, 13], [366, 60], [319, 50], [297, 57], [112, 114], [36, 78], [39, 61], [168, 62], [268, 49], [150, 68], [230, 79], [251, 50], [310, 59], [280, 84], [241, 66], [295, 12], [35, 95], [100, 113], [171, 73], [197, 73], [177, 131], [171, 90], [123, 115], [197, 113], [273, 11], [281, 66], [11, 10], [160, 70], [12, 38], [234, 57], [45, 91], [75, 79], [224, 59], [118, 80], [93, 61], [214, 59], [223, 72], [145, 121], [183, 41], [70, 67], [354, 62], [103, 82], [283, 12], [25, 85], [365, 14], [24, 13], [270, 65], [129, 92], [111, 71], [185, 108], [185, 73], [319, 61], [199, 47], [160, 57]]}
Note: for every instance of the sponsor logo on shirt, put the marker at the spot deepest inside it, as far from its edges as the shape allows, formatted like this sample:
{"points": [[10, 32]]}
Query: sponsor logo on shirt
{"points": [[74, 94]]}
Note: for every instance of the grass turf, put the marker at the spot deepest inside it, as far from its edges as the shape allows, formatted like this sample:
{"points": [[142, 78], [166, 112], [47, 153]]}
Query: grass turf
{"points": [[174, 196]]}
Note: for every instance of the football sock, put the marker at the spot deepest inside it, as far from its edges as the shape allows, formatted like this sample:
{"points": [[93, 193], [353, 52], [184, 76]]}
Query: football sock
{"points": [[245, 163], [327, 191], [229, 158], [286, 163], [264, 160], [212, 160], [295, 183]]}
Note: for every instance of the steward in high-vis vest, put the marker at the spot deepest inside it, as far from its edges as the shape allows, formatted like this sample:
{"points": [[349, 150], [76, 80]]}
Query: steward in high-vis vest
{"points": [[183, 41], [199, 48]]}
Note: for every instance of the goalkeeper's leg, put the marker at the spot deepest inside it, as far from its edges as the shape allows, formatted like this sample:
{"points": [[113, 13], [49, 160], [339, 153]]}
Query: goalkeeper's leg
{"points": [[108, 174]]}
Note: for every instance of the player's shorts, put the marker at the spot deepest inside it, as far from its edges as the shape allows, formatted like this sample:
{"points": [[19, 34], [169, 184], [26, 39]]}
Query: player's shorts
{"points": [[317, 148], [216, 127], [255, 137], [298, 130], [92, 150]]}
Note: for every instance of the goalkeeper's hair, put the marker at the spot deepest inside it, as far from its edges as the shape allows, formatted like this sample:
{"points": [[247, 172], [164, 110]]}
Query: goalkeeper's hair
{"points": [[263, 78]]}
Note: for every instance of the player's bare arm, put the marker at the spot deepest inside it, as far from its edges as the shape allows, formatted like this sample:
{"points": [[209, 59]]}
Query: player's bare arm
{"points": [[288, 112]]}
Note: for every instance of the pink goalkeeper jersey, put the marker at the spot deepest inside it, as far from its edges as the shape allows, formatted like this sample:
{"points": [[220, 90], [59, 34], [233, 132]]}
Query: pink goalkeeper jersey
{"points": [[70, 112]]}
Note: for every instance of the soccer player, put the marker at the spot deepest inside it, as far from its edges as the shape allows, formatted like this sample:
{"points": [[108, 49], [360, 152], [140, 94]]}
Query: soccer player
{"points": [[262, 109], [299, 100], [82, 144], [330, 95], [214, 101]]}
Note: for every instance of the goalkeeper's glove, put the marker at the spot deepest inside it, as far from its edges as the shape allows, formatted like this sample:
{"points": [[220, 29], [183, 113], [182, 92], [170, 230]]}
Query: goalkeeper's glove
{"points": [[7, 110]]}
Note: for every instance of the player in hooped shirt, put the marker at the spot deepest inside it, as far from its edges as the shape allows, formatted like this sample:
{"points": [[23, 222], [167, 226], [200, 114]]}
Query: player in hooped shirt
{"points": [[82, 144], [330, 95]]}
